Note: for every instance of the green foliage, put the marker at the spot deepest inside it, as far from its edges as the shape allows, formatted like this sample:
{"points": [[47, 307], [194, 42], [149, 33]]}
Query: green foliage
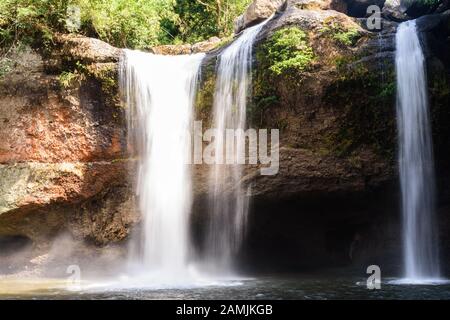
{"points": [[127, 23], [387, 90], [67, 78], [29, 20], [281, 58], [369, 120], [346, 36], [199, 20], [73, 75], [288, 49], [122, 23]]}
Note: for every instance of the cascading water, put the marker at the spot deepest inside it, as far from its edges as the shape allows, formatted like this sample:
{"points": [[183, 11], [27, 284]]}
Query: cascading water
{"points": [[227, 198], [159, 92], [415, 158]]}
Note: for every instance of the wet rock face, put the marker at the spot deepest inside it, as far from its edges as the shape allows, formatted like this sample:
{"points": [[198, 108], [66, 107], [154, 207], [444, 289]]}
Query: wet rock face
{"points": [[331, 93], [330, 143], [63, 149], [40, 124], [417, 8], [336, 115], [336, 149], [437, 23]]}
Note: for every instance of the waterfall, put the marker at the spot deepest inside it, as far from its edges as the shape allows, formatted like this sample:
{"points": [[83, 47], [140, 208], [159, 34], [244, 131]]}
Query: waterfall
{"points": [[415, 158], [159, 92], [228, 205]]}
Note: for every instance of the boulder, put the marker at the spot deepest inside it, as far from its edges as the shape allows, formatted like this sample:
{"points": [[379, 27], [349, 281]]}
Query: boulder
{"points": [[86, 49], [257, 11], [207, 45], [393, 10], [203, 46], [172, 49], [262, 9]]}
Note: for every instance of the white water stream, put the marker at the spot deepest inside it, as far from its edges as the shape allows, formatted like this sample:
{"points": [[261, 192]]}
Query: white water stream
{"points": [[415, 159], [228, 201], [159, 92]]}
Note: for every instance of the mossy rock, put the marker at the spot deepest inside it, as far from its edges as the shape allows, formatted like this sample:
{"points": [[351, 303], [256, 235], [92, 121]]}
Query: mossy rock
{"points": [[365, 99], [205, 92], [344, 35], [287, 50]]}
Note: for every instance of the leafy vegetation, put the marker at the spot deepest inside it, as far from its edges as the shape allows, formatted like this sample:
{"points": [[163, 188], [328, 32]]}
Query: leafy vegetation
{"points": [[123, 23], [346, 36], [288, 49], [127, 23], [29, 20], [367, 121], [67, 78], [201, 19], [281, 59]]}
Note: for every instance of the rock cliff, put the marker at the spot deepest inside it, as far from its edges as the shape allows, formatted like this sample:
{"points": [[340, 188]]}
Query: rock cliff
{"points": [[320, 77]]}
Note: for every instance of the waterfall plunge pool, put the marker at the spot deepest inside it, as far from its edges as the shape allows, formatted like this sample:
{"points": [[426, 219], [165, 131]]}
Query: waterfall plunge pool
{"points": [[305, 286]]}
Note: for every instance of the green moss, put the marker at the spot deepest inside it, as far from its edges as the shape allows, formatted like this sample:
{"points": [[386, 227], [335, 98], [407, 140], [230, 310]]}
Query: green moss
{"points": [[264, 93], [205, 92], [106, 74], [387, 90], [72, 74], [347, 38], [367, 110], [258, 107], [288, 49], [343, 35], [224, 42], [281, 58], [67, 79]]}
